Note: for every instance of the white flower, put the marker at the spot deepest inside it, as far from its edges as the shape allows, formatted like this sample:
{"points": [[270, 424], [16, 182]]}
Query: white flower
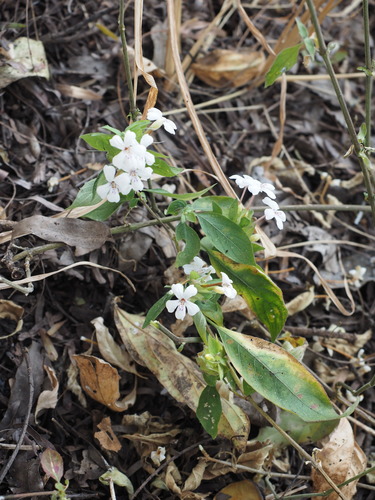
{"points": [[183, 301], [226, 287], [133, 177], [156, 116], [132, 152], [114, 186], [357, 275], [158, 456], [274, 212], [199, 266], [255, 187]]}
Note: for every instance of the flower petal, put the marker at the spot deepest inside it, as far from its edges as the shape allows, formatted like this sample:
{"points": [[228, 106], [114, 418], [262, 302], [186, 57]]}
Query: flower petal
{"points": [[109, 172], [272, 204], [113, 195], [170, 126], [117, 142], [154, 114], [191, 308], [103, 190], [171, 305], [190, 291], [178, 290], [181, 312], [147, 140]]}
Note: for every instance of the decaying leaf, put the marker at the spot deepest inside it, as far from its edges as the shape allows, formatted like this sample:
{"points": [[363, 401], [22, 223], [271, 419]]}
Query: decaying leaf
{"points": [[300, 302], [177, 373], [254, 456], [25, 58], [341, 458], [52, 464], [106, 437], [110, 350], [10, 310], [229, 68], [100, 381], [48, 398], [241, 490], [84, 235]]}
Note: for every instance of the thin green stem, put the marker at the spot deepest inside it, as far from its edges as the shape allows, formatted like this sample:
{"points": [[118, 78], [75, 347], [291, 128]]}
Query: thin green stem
{"points": [[175, 338], [368, 65], [133, 110], [367, 170]]}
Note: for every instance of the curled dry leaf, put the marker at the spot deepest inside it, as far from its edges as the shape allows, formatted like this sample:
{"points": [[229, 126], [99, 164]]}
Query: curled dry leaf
{"points": [[110, 350], [341, 458], [84, 235], [301, 302], [106, 437], [10, 310], [177, 373], [100, 381], [229, 68], [48, 398]]}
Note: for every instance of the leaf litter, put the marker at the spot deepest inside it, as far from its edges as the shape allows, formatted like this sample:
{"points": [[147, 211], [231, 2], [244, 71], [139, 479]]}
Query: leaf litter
{"points": [[133, 406]]}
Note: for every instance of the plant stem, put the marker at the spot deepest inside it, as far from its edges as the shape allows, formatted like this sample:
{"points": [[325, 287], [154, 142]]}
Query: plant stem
{"points": [[368, 65], [133, 110], [366, 169]]}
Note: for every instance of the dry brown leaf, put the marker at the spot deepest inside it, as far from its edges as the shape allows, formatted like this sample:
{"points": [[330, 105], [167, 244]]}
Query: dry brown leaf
{"points": [[100, 381], [84, 235], [48, 399], [241, 490], [106, 437], [300, 302], [229, 68], [341, 458], [177, 373], [77, 92], [110, 350], [10, 310], [254, 456], [195, 477]]}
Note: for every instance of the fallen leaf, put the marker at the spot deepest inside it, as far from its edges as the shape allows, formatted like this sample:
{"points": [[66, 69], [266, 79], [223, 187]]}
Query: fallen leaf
{"points": [[241, 490], [176, 372], [301, 302], [25, 58], [229, 68], [52, 464], [106, 437], [341, 458], [84, 235], [100, 381], [10, 310], [110, 350], [48, 399]]}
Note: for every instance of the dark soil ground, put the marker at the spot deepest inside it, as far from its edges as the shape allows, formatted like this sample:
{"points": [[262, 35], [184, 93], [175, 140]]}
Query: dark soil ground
{"points": [[41, 123]]}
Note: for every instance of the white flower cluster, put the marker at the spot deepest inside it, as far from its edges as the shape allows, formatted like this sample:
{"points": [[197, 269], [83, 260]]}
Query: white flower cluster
{"points": [[255, 187], [183, 304], [132, 165]]}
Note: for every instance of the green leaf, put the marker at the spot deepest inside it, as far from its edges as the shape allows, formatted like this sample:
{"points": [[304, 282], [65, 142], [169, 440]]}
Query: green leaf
{"points": [[227, 237], [176, 207], [212, 310], [260, 293], [361, 136], [283, 62], [192, 247], [209, 410], [184, 196], [277, 376], [300, 431], [97, 140], [200, 324], [156, 309], [302, 29], [118, 478], [207, 203], [162, 168]]}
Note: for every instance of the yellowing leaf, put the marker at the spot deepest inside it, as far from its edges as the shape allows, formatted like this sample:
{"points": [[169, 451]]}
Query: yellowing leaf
{"points": [[177, 373], [277, 376]]}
